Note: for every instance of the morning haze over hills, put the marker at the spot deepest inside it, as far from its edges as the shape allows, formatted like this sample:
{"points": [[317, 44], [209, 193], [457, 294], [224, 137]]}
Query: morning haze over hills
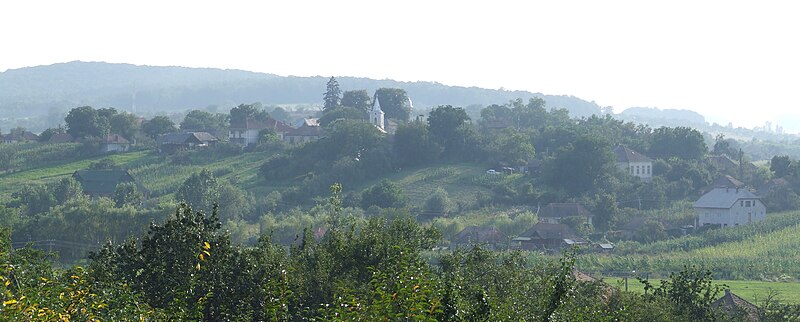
{"points": [[37, 97]]}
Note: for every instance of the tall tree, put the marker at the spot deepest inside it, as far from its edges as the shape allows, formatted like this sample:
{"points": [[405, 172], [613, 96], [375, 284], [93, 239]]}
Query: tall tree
{"points": [[201, 191], [581, 166], [682, 142], [158, 125], [333, 94], [359, 99], [202, 120], [413, 144], [85, 121], [445, 124], [394, 102], [781, 165], [243, 112]]}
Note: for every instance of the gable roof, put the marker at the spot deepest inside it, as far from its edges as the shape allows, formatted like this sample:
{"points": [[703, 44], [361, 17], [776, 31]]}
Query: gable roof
{"points": [[561, 210], [310, 127], [101, 181], [723, 198], [185, 138], [624, 154], [20, 136], [115, 139], [477, 234], [552, 231], [731, 303], [251, 124], [727, 181]]}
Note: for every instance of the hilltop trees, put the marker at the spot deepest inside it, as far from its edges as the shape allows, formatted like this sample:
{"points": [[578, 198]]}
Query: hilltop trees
{"points": [[448, 125], [333, 95], [358, 99], [243, 112], [682, 142], [581, 166], [201, 120], [85, 121], [158, 125], [394, 102]]}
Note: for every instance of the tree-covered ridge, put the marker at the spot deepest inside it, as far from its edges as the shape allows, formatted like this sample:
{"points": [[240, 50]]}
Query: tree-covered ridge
{"points": [[35, 91]]}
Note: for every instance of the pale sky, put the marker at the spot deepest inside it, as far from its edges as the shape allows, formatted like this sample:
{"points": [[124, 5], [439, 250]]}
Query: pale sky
{"points": [[729, 60]]}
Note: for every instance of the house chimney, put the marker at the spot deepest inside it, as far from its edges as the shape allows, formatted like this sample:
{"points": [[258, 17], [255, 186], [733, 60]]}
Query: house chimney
{"points": [[726, 189], [737, 189]]}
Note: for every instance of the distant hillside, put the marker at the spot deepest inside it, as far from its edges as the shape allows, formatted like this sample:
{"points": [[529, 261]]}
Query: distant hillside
{"points": [[40, 90], [663, 117]]}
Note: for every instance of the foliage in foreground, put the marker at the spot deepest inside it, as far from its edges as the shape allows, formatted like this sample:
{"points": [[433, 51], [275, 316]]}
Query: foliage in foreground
{"points": [[188, 269]]}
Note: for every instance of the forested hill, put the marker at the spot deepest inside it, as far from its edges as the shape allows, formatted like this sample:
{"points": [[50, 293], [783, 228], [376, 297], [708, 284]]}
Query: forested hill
{"points": [[38, 90]]}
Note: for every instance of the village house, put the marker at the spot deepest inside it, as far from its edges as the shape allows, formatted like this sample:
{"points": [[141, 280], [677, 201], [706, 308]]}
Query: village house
{"points": [[246, 132], [555, 212], [114, 143], [19, 137], [545, 236], [729, 207], [634, 163], [171, 142], [102, 183], [489, 237], [307, 132], [735, 306]]}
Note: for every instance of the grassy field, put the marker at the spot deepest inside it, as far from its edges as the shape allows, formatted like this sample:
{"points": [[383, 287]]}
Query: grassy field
{"points": [[753, 291], [761, 255]]}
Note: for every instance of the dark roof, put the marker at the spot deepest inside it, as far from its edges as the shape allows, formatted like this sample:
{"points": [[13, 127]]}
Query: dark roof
{"points": [[101, 181], [306, 130], [24, 136], [475, 234], [115, 139], [732, 304], [185, 138], [723, 198], [722, 161], [562, 210], [61, 138], [624, 154], [251, 124], [727, 181], [552, 231]]}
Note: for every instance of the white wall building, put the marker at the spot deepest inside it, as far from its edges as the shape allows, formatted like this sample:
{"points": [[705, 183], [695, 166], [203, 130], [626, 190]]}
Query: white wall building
{"points": [[729, 207], [634, 163]]}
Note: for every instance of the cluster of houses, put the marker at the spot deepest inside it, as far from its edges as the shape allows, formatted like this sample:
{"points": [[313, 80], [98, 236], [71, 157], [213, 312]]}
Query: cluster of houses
{"points": [[725, 203]]}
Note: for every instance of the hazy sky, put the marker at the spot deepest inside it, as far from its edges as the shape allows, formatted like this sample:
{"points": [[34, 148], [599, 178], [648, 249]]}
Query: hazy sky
{"points": [[728, 60]]}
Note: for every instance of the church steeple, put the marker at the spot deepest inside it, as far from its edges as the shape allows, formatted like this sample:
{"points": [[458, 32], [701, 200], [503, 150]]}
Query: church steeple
{"points": [[376, 116]]}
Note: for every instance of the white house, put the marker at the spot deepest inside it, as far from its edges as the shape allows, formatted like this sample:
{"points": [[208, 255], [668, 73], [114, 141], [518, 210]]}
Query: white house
{"points": [[729, 207], [634, 163], [307, 132], [245, 132]]}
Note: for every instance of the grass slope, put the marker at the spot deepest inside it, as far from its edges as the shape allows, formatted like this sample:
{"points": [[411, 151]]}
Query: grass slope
{"points": [[770, 254], [754, 291]]}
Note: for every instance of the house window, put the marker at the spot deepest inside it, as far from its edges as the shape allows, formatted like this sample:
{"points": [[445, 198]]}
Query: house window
{"points": [[637, 169], [648, 169], [631, 169]]}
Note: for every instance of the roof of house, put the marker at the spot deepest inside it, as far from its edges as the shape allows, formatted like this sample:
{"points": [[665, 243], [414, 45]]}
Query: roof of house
{"points": [[185, 137], [115, 139], [101, 181], [624, 154], [61, 138], [722, 161], [310, 127], [723, 198], [552, 231], [20, 136], [475, 234], [727, 181], [269, 123], [732, 303], [562, 210]]}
